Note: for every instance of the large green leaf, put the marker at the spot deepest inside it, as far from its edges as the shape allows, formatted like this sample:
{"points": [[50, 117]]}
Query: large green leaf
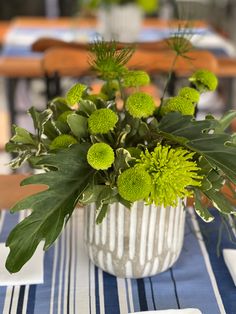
{"points": [[50, 208], [195, 135]]}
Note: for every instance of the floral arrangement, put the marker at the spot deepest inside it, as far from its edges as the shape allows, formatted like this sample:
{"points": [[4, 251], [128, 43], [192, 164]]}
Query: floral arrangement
{"points": [[149, 6], [118, 146]]}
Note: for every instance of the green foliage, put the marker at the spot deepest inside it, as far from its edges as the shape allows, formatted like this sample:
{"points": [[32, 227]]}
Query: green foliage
{"points": [[50, 208], [118, 147]]}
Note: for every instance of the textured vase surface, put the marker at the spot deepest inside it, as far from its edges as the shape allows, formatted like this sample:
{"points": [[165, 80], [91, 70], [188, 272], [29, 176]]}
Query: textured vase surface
{"points": [[135, 243]]}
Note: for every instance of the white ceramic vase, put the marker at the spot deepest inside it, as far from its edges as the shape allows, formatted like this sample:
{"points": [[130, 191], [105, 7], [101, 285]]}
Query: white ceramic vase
{"points": [[135, 243], [120, 22]]}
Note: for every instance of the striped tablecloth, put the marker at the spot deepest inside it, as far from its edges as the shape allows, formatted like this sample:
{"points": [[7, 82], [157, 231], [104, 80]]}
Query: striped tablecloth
{"points": [[72, 284]]}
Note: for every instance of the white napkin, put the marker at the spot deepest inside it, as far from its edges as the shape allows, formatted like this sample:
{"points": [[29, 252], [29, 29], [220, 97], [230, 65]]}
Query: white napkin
{"points": [[182, 311], [230, 261], [31, 272]]}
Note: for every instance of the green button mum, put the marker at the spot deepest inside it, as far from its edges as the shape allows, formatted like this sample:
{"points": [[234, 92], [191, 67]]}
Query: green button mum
{"points": [[100, 156], [190, 94], [136, 79], [204, 80], [134, 184], [62, 141], [140, 105], [180, 104], [172, 171], [102, 121]]}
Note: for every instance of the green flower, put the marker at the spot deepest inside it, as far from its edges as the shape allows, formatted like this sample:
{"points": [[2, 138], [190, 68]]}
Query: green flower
{"points": [[190, 94], [140, 105], [134, 184], [102, 121], [136, 79], [62, 141], [180, 104], [204, 80], [172, 171], [100, 156]]}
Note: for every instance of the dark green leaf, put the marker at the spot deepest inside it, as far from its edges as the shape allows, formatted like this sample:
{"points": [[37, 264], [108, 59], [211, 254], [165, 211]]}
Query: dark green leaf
{"points": [[87, 107], [50, 208]]}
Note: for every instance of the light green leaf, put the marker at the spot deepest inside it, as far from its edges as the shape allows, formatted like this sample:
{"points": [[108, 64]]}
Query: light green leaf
{"points": [[78, 125], [22, 136], [87, 107], [75, 94], [50, 208]]}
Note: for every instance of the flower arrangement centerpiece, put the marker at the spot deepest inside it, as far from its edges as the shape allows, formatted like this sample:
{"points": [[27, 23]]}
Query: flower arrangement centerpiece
{"points": [[114, 151]]}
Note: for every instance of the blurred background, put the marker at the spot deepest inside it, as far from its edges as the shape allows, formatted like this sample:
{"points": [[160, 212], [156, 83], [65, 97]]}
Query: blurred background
{"points": [[23, 92]]}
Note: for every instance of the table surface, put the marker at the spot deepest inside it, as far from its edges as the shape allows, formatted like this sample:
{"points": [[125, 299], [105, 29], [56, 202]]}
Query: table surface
{"points": [[20, 62], [72, 284]]}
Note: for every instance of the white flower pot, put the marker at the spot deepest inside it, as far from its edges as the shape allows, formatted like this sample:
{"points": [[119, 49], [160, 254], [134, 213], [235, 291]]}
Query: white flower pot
{"points": [[120, 22], [135, 243]]}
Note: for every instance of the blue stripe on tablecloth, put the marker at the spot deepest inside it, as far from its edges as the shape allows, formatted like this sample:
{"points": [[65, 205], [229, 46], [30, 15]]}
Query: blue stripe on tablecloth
{"points": [[192, 278], [189, 273], [96, 291], [223, 278], [110, 294]]}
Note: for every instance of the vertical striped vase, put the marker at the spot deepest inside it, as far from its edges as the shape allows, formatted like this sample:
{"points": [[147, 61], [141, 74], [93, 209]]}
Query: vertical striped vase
{"points": [[135, 243]]}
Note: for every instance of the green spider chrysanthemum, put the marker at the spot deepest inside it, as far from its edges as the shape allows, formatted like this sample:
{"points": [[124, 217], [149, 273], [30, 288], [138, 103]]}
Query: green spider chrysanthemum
{"points": [[100, 156], [140, 105], [102, 121], [190, 94], [172, 170], [204, 80], [134, 184], [136, 79], [62, 141], [180, 104]]}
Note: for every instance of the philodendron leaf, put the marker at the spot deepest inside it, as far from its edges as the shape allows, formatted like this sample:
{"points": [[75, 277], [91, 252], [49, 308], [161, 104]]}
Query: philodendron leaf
{"points": [[75, 94], [78, 125], [50, 208], [200, 209], [195, 136]]}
